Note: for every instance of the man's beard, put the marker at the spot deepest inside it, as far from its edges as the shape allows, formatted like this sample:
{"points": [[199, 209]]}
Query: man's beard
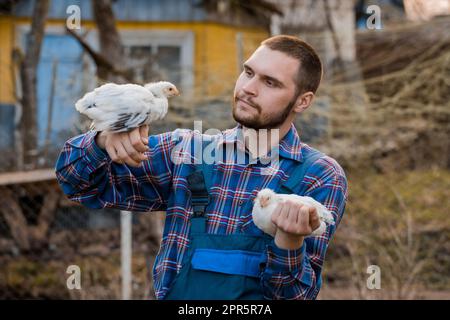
{"points": [[275, 121]]}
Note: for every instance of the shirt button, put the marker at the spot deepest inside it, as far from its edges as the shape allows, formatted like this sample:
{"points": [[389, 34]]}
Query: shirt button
{"points": [[241, 202]]}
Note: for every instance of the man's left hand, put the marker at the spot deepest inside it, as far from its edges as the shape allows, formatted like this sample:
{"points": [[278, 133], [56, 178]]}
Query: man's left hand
{"points": [[294, 221]]}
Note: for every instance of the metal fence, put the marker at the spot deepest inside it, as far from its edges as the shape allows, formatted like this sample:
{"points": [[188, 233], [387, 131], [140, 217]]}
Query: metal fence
{"points": [[55, 249], [46, 239]]}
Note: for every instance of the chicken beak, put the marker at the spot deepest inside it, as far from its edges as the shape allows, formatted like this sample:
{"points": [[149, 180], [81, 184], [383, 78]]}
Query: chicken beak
{"points": [[177, 93], [264, 202]]}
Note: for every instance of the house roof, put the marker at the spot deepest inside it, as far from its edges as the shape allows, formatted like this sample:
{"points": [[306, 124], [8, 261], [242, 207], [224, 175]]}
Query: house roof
{"points": [[254, 12]]}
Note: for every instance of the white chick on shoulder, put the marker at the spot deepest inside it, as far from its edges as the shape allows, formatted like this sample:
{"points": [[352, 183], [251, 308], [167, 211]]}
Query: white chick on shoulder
{"points": [[123, 107]]}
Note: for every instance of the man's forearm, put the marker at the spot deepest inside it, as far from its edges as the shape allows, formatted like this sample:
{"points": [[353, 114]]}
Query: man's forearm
{"points": [[289, 275], [288, 241], [89, 176], [79, 159]]}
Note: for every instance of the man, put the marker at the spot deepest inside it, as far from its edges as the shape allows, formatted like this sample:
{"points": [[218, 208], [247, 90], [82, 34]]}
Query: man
{"points": [[211, 249]]}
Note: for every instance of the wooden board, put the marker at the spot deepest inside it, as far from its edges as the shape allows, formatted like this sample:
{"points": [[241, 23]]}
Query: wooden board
{"points": [[18, 177]]}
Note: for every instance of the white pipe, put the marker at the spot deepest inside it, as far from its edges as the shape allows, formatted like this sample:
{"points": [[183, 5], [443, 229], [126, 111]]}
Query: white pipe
{"points": [[125, 251]]}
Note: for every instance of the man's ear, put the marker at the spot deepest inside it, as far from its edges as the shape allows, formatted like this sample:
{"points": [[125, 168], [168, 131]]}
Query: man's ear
{"points": [[303, 101]]}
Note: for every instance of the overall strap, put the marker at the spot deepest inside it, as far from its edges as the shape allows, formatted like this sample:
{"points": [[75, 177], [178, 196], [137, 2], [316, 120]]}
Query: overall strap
{"points": [[299, 172], [199, 183], [199, 193], [207, 168]]}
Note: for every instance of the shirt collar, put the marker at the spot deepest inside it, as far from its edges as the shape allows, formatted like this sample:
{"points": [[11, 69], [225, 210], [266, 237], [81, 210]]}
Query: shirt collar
{"points": [[289, 146]]}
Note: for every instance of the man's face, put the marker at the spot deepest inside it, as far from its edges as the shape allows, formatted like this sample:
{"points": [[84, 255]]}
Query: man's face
{"points": [[265, 92]]}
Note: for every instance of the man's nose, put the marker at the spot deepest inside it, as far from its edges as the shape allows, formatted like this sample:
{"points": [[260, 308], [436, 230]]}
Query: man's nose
{"points": [[250, 87]]}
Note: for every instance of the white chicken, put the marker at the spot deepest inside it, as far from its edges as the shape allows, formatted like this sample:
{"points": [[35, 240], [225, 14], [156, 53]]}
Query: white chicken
{"points": [[123, 107], [267, 200]]}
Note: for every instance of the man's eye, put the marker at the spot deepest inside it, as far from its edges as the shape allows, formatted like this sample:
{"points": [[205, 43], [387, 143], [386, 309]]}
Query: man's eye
{"points": [[248, 72], [270, 83]]}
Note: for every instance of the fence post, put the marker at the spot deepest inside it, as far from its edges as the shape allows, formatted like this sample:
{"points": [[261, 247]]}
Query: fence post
{"points": [[125, 251]]}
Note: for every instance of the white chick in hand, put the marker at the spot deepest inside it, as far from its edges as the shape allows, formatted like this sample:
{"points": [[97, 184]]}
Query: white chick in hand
{"points": [[123, 107], [267, 200]]}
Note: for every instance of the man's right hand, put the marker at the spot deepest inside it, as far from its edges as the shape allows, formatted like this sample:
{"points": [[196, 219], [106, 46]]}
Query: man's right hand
{"points": [[125, 147]]}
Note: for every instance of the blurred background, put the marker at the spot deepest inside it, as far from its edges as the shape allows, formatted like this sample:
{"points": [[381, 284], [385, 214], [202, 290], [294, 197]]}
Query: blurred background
{"points": [[382, 111]]}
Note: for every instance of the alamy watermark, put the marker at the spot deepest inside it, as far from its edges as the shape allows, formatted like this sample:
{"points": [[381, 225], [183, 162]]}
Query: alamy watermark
{"points": [[214, 147], [74, 280], [374, 280], [374, 21], [73, 21]]}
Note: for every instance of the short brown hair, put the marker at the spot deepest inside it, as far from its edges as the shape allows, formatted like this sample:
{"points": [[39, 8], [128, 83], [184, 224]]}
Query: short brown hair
{"points": [[310, 70]]}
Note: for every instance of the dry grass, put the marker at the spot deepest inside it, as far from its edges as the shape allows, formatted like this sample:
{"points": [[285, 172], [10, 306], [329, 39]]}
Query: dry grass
{"points": [[398, 221]]}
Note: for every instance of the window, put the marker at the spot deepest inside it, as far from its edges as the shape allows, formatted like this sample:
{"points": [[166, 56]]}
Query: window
{"points": [[153, 63], [161, 55]]}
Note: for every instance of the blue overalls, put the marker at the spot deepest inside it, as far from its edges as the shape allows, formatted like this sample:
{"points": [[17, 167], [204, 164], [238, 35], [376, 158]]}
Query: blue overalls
{"points": [[224, 267]]}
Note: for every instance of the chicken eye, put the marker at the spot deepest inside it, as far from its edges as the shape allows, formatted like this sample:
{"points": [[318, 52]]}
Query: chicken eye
{"points": [[170, 89]]}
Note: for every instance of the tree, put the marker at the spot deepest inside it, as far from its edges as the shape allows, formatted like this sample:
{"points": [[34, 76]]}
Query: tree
{"points": [[28, 67], [110, 61]]}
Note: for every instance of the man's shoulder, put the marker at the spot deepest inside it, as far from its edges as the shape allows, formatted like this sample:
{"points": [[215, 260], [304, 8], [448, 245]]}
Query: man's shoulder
{"points": [[324, 165]]}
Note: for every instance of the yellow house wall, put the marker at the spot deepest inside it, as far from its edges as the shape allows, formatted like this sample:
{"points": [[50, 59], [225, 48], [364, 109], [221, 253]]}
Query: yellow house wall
{"points": [[6, 76], [216, 64]]}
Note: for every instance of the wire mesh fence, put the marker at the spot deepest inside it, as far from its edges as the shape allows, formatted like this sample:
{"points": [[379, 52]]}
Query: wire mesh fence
{"points": [[382, 119], [42, 235]]}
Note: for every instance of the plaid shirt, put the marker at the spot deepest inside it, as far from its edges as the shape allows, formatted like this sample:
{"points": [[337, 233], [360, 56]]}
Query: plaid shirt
{"points": [[88, 176]]}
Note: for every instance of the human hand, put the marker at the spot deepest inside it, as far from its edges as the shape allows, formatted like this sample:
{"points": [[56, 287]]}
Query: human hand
{"points": [[125, 147], [294, 221]]}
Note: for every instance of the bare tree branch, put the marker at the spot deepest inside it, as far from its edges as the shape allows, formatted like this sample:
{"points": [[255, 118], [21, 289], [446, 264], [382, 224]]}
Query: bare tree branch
{"points": [[104, 66], [110, 42]]}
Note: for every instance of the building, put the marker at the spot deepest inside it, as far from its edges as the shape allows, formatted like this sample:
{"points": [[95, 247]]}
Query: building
{"points": [[199, 45]]}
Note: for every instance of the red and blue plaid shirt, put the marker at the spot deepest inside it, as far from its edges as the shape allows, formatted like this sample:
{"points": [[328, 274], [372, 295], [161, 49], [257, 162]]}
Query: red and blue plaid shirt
{"points": [[88, 176]]}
